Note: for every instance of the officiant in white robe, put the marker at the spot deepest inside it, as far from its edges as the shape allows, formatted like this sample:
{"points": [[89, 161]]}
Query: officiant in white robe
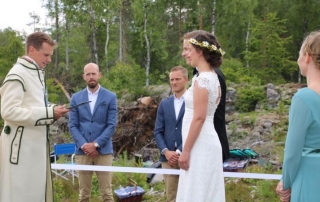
{"points": [[25, 172]]}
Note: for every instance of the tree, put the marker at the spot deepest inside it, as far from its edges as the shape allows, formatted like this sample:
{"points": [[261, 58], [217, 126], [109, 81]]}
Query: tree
{"points": [[267, 55], [35, 20], [11, 48], [299, 24]]}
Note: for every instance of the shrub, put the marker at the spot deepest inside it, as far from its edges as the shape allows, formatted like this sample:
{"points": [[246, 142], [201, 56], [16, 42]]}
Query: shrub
{"points": [[232, 70], [247, 98], [125, 79]]}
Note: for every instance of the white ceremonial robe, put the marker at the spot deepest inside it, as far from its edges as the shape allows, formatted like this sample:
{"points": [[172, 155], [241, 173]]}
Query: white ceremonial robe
{"points": [[25, 171]]}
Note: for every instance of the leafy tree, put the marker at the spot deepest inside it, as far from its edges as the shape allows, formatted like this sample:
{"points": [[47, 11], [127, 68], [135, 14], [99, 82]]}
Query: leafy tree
{"points": [[153, 48], [268, 58], [11, 47], [233, 70], [299, 24], [232, 21], [127, 81]]}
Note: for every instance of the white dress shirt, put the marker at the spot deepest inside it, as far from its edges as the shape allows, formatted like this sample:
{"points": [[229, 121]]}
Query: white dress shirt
{"points": [[93, 98]]}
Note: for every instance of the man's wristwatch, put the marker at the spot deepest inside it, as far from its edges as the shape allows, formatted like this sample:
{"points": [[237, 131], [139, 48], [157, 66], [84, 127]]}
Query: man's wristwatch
{"points": [[96, 145]]}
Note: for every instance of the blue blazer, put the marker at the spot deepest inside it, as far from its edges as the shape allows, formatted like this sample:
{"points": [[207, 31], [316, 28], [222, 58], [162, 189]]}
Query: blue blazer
{"points": [[167, 130], [97, 127]]}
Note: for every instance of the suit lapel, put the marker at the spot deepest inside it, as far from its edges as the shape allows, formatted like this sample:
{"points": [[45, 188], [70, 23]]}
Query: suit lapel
{"points": [[99, 99], [85, 98], [170, 108]]}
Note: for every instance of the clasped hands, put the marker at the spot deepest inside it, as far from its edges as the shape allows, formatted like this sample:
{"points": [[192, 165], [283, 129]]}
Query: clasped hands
{"points": [[172, 157], [90, 150], [284, 194]]}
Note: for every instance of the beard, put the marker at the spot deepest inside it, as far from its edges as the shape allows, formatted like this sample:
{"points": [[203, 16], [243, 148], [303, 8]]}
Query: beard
{"points": [[92, 85]]}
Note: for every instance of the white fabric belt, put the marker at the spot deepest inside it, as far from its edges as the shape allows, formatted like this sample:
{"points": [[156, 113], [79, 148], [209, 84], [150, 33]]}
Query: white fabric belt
{"points": [[158, 171]]}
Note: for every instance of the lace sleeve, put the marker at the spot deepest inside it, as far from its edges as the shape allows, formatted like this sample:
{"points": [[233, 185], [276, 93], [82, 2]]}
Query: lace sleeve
{"points": [[203, 82]]}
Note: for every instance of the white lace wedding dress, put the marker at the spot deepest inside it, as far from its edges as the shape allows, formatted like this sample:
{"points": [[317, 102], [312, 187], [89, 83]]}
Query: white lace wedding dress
{"points": [[204, 181]]}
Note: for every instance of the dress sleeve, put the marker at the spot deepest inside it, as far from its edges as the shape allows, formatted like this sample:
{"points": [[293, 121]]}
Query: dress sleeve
{"points": [[299, 120], [204, 82]]}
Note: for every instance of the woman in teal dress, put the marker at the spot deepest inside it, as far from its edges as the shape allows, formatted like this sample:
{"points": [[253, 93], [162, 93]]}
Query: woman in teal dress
{"points": [[301, 165]]}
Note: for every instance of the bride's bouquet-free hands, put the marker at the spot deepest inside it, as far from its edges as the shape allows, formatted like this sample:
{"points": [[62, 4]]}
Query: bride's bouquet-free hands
{"points": [[184, 160]]}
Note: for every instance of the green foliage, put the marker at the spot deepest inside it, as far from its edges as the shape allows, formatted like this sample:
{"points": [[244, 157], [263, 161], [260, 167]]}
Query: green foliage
{"points": [[157, 78], [233, 127], [125, 79], [230, 13], [263, 190], [253, 80], [252, 119], [248, 119], [123, 178], [11, 48], [267, 55], [280, 132], [55, 92], [282, 109], [251, 190], [247, 98], [256, 34], [238, 192], [58, 190], [64, 190], [95, 191], [233, 70]]}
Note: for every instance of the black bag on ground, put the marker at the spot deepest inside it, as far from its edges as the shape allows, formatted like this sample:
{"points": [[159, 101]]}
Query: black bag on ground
{"points": [[151, 175]]}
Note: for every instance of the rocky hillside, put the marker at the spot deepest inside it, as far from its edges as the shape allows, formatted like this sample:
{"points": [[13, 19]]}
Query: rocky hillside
{"points": [[264, 129]]}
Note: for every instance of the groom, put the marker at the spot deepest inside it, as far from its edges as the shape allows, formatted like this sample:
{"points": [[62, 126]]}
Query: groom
{"points": [[168, 126]]}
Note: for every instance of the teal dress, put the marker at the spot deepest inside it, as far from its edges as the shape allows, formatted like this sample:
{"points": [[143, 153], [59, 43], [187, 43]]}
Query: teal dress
{"points": [[301, 165]]}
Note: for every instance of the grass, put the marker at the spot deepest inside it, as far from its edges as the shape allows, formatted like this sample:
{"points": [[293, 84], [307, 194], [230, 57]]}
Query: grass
{"points": [[64, 191]]}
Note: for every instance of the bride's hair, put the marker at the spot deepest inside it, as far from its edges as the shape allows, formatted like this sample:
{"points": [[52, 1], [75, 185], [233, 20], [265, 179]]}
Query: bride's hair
{"points": [[213, 57]]}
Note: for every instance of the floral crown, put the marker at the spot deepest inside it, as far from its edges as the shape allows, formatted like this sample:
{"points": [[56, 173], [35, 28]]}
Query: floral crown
{"points": [[206, 44]]}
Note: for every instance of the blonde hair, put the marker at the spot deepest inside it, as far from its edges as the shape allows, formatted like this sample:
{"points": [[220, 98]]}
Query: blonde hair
{"points": [[311, 45], [183, 70]]}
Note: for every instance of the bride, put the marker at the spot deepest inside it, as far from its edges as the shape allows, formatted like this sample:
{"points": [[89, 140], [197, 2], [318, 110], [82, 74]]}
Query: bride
{"points": [[201, 177]]}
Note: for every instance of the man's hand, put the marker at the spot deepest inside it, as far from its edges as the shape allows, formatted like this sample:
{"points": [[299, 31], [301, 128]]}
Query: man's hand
{"points": [[59, 111], [172, 157], [90, 150]]}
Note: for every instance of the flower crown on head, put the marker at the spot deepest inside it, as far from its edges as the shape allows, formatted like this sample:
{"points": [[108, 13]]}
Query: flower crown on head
{"points": [[206, 44]]}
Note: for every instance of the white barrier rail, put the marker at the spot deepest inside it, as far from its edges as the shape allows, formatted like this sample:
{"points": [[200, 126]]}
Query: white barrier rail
{"points": [[158, 171]]}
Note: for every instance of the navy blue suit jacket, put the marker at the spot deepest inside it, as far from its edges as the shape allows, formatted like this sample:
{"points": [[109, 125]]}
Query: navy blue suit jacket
{"points": [[97, 127], [167, 130]]}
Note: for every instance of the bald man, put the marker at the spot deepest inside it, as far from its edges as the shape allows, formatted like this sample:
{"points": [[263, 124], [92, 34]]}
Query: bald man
{"points": [[92, 126]]}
